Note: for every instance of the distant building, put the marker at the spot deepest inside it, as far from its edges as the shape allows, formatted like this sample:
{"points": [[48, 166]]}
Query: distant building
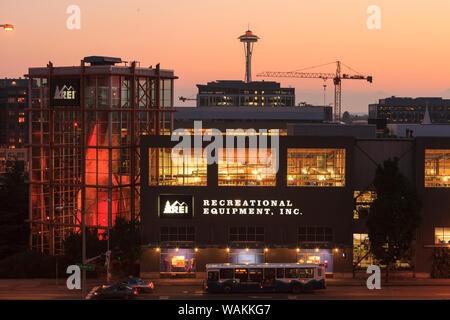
{"points": [[8, 156], [410, 110], [251, 117], [404, 130], [239, 93], [13, 118]]}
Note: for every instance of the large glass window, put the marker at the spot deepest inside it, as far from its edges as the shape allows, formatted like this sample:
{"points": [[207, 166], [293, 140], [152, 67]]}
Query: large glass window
{"points": [[362, 201], [324, 256], [182, 170], [442, 235], [178, 260], [316, 167], [361, 255], [247, 167], [437, 168], [315, 234], [246, 234], [177, 233]]}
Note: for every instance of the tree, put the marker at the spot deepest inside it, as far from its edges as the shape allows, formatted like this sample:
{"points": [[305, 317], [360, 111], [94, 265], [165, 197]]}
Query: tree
{"points": [[125, 240], [394, 215], [73, 246], [14, 230], [346, 117]]}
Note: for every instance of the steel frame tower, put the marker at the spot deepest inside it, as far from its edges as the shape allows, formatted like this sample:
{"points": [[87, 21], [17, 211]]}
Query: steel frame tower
{"points": [[248, 39], [84, 152]]}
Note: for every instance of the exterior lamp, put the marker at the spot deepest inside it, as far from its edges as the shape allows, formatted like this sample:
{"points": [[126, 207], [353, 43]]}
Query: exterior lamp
{"points": [[7, 27], [228, 249]]}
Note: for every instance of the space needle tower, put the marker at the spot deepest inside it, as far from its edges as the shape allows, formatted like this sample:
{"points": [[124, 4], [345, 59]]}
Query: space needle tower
{"points": [[248, 39]]}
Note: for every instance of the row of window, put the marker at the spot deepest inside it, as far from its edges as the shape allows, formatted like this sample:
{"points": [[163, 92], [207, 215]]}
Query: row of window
{"points": [[314, 167], [258, 274], [248, 167], [311, 234]]}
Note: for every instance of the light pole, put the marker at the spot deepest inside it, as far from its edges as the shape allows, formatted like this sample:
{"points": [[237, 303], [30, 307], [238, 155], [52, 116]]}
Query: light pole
{"points": [[83, 237], [7, 27]]}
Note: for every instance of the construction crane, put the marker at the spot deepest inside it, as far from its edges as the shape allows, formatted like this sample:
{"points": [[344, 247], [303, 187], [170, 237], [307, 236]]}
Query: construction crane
{"points": [[337, 79]]}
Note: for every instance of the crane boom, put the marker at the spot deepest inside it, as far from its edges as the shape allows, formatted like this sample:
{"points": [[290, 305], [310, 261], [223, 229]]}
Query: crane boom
{"points": [[337, 77]]}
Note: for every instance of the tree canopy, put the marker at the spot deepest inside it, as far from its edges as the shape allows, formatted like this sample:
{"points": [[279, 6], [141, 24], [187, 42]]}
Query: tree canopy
{"points": [[14, 230], [394, 215]]}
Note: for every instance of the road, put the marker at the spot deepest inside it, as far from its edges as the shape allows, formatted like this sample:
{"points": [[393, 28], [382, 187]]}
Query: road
{"points": [[190, 292]]}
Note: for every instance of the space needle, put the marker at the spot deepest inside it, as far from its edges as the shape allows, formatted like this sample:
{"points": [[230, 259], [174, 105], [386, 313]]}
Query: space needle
{"points": [[248, 39]]}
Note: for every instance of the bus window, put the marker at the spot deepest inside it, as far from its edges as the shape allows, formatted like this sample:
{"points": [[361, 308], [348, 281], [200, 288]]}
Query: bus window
{"points": [[292, 273], [241, 274], [213, 275], [269, 273], [280, 273], [306, 273], [255, 275], [226, 273]]}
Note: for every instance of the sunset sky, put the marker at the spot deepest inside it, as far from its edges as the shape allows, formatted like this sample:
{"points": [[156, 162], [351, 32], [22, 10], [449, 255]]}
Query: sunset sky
{"points": [[409, 56]]}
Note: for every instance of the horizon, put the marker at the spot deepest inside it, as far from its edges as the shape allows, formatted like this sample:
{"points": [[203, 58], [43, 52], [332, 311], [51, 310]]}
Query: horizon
{"points": [[406, 56]]}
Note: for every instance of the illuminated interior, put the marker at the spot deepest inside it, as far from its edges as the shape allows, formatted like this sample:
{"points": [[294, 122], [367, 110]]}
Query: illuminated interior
{"points": [[246, 167], [84, 154], [178, 260], [165, 170], [361, 246], [323, 256], [362, 201], [316, 167], [442, 235], [437, 168]]}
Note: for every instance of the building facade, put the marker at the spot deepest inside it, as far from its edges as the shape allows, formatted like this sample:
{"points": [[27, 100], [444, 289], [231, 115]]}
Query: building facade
{"points": [[240, 93], [13, 118], [85, 127], [313, 209], [410, 110]]}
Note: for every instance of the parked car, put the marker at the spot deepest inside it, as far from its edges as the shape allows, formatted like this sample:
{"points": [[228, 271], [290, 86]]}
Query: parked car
{"points": [[139, 284], [115, 291]]}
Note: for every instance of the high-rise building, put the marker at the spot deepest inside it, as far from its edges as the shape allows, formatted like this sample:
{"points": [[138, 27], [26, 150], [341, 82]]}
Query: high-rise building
{"points": [[85, 126], [13, 119]]}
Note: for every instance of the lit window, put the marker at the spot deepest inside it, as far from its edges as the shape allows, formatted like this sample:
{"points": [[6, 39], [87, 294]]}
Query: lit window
{"points": [[442, 235], [180, 170], [437, 168], [362, 201], [361, 255], [246, 167], [316, 167]]}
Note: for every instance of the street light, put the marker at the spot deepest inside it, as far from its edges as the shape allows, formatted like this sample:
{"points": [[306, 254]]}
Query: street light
{"points": [[83, 237], [7, 27]]}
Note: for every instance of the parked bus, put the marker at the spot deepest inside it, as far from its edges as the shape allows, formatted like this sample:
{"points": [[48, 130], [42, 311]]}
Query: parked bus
{"points": [[265, 277]]}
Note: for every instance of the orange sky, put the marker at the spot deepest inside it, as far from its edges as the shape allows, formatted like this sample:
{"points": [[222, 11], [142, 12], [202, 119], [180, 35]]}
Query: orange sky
{"points": [[197, 38]]}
